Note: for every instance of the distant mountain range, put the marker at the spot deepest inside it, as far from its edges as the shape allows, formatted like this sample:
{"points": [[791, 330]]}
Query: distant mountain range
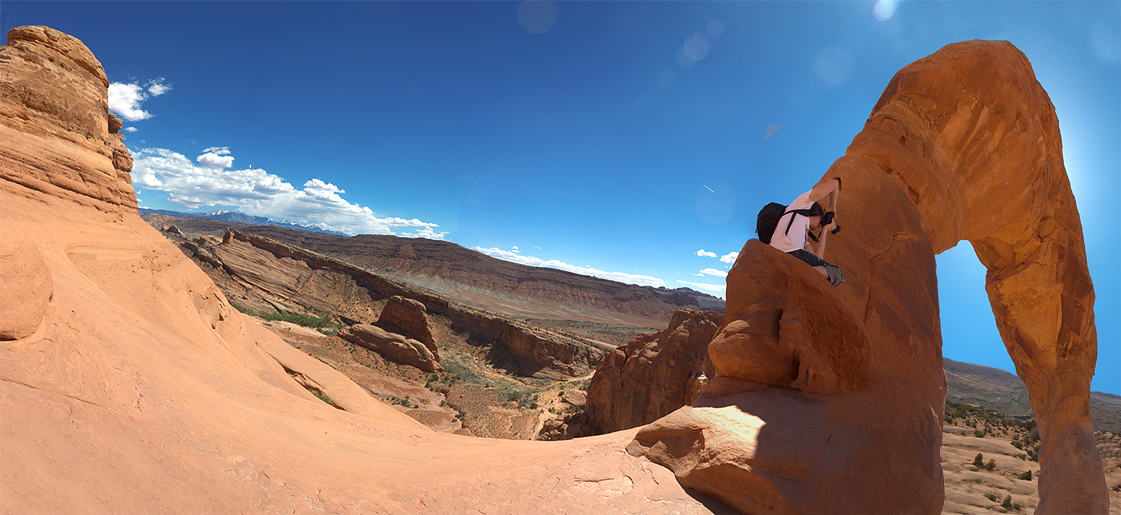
{"points": [[234, 216], [477, 278], [999, 390]]}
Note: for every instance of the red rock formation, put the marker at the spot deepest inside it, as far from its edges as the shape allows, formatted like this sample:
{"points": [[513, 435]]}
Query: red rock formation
{"points": [[143, 391], [653, 374], [52, 91], [392, 346], [408, 317], [963, 145]]}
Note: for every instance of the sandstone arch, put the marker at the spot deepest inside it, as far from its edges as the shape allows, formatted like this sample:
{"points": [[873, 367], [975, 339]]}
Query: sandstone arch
{"points": [[988, 169], [963, 145]]}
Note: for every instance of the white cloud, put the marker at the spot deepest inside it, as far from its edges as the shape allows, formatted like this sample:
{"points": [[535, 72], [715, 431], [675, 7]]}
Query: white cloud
{"points": [[714, 272], [717, 289], [705, 253], [211, 183], [158, 87], [622, 277], [125, 99], [729, 258], [213, 160], [131, 129]]}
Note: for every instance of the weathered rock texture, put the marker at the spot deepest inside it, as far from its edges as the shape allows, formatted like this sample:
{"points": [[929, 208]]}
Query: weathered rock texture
{"points": [[53, 103], [410, 318], [26, 290], [396, 347], [963, 145], [653, 374], [143, 391]]}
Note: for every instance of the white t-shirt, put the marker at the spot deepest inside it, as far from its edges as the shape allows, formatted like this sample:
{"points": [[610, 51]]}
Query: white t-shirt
{"points": [[795, 239]]}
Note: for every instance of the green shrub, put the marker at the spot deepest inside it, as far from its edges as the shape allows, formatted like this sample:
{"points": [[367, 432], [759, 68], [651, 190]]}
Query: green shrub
{"points": [[979, 461], [1007, 504], [304, 320], [1026, 476]]}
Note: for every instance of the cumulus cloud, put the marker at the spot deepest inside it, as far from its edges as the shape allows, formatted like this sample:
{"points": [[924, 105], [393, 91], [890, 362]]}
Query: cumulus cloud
{"points": [[713, 271], [210, 181], [705, 253], [125, 99], [213, 160], [729, 258], [622, 277]]}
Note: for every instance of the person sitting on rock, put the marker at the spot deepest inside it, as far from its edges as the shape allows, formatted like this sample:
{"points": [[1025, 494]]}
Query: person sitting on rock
{"points": [[790, 235]]}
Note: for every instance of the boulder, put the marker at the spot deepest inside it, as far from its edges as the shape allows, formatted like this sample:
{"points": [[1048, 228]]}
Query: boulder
{"points": [[811, 381], [410, 318], [26, 291], [394, 347], [653, 374]]}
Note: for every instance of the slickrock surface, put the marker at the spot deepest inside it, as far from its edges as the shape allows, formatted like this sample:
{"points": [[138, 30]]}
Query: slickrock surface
{"points": [[141, 390], [963, 145]]}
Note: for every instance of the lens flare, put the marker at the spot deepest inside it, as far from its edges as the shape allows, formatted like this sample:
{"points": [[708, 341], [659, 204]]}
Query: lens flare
{"points": [[538, 16], [697, 46], [884, 9], [833, 65], [683, 60], [715, 28], [666, 78]]}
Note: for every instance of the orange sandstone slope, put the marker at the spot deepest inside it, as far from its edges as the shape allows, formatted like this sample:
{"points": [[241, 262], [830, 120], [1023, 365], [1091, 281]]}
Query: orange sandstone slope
{"points": [[130, 385]]}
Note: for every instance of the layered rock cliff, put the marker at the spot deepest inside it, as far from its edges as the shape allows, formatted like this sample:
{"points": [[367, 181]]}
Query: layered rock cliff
{"points": [[962, 145], [269, 274], [52, 100], [464, 273]]}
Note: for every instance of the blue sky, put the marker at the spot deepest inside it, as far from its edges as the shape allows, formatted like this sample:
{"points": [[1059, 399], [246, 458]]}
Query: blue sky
{"points": [[631, 140]]}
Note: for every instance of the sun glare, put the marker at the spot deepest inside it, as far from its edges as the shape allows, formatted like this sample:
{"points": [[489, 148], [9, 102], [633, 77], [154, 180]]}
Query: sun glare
{"points": [[884, 9]]}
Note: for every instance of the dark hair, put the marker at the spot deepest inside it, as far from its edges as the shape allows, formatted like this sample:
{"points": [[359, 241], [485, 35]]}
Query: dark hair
{"points": [[816, 210]]}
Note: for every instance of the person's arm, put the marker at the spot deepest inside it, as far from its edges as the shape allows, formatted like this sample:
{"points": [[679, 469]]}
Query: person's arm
{"points": [[820, 250], [831, 189]]}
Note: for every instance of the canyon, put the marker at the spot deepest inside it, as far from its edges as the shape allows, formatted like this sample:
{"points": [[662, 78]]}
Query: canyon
{"points": [[129, 351]]}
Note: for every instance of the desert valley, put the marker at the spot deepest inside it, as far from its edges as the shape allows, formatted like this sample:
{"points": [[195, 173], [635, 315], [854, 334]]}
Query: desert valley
{"points": [[222, 367]]}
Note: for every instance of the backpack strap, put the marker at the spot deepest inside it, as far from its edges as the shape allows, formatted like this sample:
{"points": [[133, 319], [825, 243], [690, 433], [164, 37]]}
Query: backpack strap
{"points": [[804, 212]]}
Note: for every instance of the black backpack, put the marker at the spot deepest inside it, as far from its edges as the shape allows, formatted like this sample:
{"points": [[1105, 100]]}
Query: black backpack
{"points": [[770, 215]]}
